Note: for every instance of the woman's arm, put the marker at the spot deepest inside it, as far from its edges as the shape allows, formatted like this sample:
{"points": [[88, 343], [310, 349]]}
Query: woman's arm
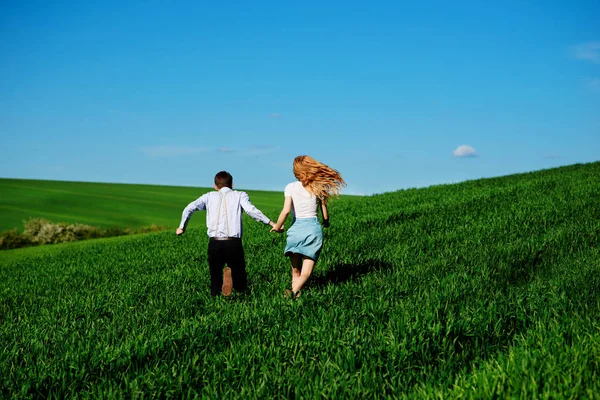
{"points": [[325, 213], [287, 208]]}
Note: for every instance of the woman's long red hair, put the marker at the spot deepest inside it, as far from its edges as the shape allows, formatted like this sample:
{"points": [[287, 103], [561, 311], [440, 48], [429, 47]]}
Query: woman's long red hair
{"points": [[318, 178]]}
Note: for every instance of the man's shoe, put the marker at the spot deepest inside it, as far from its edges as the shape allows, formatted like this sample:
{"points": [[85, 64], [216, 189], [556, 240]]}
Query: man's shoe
{"points": [[227, 282]]}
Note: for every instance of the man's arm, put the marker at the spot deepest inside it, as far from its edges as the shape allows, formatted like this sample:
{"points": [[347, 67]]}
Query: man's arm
{"points": [[196, 205], [252, 211]]}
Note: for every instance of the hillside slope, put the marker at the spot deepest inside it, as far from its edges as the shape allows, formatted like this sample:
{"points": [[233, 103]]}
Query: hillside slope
{"points": [[105, 205], [488, 288]]}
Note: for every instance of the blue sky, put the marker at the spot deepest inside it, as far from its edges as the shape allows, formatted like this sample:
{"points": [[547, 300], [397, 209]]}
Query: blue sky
{"points": [[392, 94]]}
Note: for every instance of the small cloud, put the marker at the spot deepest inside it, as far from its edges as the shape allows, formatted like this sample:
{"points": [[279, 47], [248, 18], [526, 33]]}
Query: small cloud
{"points": [[587, 51], [250, 151], [464, 151], [262, 150], [275, 115], [171, 151]]}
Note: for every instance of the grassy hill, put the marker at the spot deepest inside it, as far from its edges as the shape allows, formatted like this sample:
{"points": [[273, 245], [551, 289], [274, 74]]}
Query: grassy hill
{"points": [[106, 204], [484, 289]]}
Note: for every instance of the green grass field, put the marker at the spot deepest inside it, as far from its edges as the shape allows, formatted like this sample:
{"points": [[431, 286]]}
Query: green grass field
{"points": [[106, 205], [483, 289]]}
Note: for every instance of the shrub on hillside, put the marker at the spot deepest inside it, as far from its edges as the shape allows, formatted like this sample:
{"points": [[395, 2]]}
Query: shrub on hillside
{"points": [[54, 233], [41, 231], [33, 226], [12, 239], [151, 228], [83, 232], [114, 231]]}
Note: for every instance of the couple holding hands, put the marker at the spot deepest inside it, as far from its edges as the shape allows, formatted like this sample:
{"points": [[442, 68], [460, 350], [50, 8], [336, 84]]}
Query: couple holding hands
{"points": [[316, 183]]}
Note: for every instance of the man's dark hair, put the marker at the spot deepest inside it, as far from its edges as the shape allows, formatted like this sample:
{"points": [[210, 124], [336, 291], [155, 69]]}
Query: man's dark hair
{"points": [[223, 179]]}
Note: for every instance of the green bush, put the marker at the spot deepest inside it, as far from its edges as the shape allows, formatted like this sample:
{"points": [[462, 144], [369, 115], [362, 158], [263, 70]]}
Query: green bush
{"points": [[33, 226], [12, 239], [83, 232], [39, 231], [54, 233]]}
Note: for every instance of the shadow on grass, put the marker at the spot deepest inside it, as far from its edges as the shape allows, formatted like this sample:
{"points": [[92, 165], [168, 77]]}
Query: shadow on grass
{"points": [[341, 273]]}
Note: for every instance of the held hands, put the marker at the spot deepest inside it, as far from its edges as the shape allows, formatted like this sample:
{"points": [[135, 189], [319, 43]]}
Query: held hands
{"points": [[179, 231], [274, 228]]}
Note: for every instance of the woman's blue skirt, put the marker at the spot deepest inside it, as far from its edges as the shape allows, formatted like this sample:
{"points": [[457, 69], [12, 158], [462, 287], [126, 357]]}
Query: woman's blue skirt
{"points": [[305, 236]]}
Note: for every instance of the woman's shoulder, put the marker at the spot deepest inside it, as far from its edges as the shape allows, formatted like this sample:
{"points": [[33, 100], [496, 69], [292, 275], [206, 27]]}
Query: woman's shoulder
{"points": [[293, 185], [295, 189]]}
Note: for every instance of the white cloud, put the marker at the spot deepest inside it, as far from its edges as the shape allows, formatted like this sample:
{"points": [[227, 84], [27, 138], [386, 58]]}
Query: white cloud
{"points": [[275, 115], [464, 151], [262, 150], [250, 151], [588, 51], [171, 151]]}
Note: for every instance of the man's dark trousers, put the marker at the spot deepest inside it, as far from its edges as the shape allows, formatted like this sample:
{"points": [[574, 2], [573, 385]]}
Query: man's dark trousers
{"points": [[231, 253]]}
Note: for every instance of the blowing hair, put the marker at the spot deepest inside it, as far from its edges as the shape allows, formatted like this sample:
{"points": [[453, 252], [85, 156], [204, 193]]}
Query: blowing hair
{"points": [[318, 178]]}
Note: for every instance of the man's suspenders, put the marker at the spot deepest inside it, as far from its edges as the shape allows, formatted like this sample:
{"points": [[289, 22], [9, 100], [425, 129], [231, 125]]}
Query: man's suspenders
{"points": [[223, 199]]}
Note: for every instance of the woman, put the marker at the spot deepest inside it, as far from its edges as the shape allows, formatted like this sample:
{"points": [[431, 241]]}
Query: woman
{"points": [[315, 185]]}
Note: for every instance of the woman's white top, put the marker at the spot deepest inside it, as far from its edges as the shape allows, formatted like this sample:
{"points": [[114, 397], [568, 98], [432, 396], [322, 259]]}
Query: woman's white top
{"points": [[304, 203]]}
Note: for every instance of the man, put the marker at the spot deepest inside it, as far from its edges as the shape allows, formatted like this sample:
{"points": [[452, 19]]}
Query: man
{"points": [[224, 221]]}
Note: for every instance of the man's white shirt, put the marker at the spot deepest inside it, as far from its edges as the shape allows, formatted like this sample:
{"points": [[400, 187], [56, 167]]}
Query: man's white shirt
{"points": [[224, 212]]}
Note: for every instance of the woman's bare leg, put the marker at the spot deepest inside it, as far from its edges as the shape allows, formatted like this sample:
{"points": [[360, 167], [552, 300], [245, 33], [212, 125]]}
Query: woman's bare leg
{"points": [[304, 273], [296, 261]]}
